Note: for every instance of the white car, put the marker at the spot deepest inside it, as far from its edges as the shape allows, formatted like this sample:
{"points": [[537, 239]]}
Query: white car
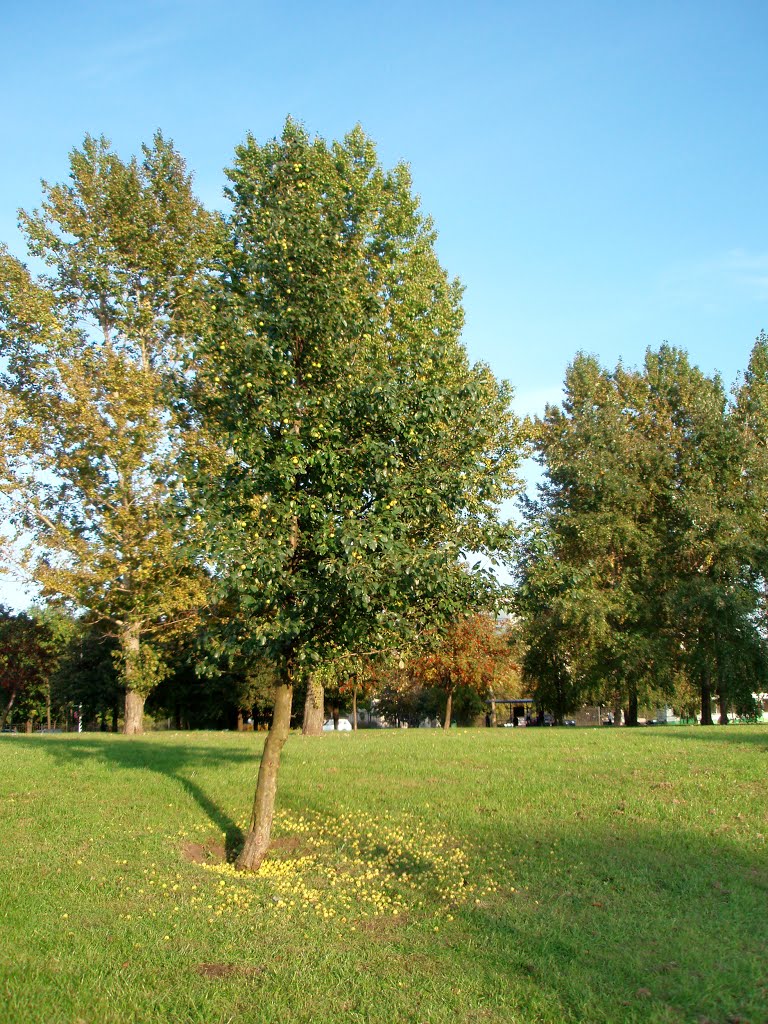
{"points": [[344, 725]]}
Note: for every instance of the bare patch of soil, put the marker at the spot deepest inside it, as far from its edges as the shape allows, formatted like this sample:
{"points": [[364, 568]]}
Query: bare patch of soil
{"points": [[288, 844], [204, 853], [382, 927]]}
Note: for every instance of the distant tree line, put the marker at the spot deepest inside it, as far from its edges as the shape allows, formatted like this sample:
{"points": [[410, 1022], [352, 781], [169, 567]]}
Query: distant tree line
{"points": [[61, 672], [642, 566]]}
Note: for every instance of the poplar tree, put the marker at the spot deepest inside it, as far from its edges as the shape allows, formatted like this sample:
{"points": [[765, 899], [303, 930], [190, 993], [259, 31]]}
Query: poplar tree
{"points": [[712, 531], [365, 456], [644, 557], [593, 615], [91, 351], [750, 417]]}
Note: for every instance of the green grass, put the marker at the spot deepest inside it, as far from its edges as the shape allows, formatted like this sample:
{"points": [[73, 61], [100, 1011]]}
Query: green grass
{"points": [[550, 876]]}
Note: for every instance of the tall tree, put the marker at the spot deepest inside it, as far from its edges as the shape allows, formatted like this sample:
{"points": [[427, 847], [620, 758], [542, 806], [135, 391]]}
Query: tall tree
{"points": [[92, 352], [643, 552], [365, 455], [592, 544], [544, 603], [314, 705], [712, 531], [360, 680]]}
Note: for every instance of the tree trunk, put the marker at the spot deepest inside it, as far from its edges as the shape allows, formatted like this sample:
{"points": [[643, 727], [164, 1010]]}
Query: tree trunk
{"points": [[314, 707], [48, 707], [354, 708], [706, 698], [240, 722], [448, 709], [28, 727], [492, 717], [7, 709], [116, 717], [257, 840], [133, 723], [335, 714], [617, 710], [631, 716], [722, 699]]}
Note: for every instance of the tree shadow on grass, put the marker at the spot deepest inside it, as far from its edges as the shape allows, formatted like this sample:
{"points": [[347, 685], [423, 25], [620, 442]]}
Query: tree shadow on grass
{"points": [[176, 763], [628, 924], [608, 918], [646, 910]]}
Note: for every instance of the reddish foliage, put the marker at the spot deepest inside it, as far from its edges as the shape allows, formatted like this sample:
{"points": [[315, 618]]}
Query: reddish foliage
{"points": [[473, 653]]}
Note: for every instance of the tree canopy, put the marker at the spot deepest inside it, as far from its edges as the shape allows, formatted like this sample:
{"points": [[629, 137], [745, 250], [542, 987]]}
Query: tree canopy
{"points": [[643, 556], [92, 352], [361, 459]]}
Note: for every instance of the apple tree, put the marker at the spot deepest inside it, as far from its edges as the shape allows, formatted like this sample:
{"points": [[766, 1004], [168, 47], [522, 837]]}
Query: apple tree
{"points": [[360, 458]]}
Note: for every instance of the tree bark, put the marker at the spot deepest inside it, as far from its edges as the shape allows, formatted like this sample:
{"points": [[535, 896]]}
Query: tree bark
{"points": [[354, 707], [492, 717], [7, 709], [706, 698], [722, 699], [631, 716], [133, 723], [314, 708], [448, 709], [28, 727], [257, 840]]}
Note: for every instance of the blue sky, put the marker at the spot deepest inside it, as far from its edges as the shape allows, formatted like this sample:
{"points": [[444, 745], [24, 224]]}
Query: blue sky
{"points": [[596, 170]]}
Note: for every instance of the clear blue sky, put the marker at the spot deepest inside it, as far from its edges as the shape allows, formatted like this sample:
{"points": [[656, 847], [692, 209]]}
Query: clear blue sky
{"points": [[596, 170]]}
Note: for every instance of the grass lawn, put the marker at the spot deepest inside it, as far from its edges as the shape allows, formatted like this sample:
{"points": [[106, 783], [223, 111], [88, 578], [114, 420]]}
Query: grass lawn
{"points": [[531, 875]]}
